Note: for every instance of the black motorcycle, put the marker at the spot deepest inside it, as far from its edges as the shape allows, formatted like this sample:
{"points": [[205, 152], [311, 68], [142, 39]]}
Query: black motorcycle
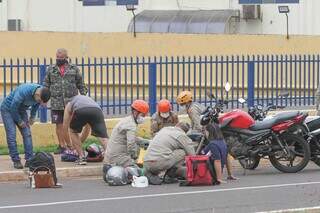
{"points": [[309, 130]]}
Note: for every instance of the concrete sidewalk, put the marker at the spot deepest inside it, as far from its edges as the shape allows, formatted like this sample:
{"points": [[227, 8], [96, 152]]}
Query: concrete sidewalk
{"points": [[64, 169]]}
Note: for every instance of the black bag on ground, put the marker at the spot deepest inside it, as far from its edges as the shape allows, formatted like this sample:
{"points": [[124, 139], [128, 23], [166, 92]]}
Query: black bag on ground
{"points": [[42, 160]]}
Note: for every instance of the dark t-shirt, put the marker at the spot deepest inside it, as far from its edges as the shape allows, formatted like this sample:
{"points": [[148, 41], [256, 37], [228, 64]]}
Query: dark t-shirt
{"points": [[217, 150]]}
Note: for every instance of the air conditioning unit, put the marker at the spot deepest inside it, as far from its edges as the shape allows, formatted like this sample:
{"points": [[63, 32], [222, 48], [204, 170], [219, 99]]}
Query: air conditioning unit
{"points": [[251, 11], [14, 24]]}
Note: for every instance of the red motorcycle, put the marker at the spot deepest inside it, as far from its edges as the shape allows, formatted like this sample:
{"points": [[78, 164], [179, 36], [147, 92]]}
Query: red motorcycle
{"points": [[251, 140]]}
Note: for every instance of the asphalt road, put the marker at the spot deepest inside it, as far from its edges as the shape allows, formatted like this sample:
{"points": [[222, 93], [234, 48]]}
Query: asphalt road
{"points": [[260, 190]]}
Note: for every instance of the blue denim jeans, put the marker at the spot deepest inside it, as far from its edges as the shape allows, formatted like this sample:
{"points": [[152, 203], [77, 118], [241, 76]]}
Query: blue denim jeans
{"points": [[10, 127]]}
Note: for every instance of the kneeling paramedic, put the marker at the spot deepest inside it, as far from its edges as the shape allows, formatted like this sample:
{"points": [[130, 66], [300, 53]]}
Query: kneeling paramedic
{"points": [[14, 113], [163, 117], [193, 109], [79, 112], [122, 149], [167, 151]]}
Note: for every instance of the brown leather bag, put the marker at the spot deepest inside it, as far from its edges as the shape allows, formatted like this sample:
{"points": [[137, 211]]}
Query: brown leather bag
{"points": [[43, 178]]}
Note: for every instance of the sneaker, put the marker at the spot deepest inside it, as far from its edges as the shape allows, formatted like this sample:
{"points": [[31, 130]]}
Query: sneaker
{"points": [[81, 161], [27, 164], [59, 150], [17, 165]]}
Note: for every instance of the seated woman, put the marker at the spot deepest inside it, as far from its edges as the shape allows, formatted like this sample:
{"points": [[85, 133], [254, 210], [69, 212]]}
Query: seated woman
{"points": [[217, 150]]}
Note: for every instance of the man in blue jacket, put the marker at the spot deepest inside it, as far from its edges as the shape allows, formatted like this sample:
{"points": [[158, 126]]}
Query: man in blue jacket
{"points": [[14, 113]]}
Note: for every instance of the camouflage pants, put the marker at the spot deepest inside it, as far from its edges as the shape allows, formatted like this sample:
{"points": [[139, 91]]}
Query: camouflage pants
{"points": [[161, 165]]}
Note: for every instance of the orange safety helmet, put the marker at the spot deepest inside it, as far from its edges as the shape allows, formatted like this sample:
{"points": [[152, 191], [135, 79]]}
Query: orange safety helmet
{"points": [[164, 106], [140, 106], [184, 97]]}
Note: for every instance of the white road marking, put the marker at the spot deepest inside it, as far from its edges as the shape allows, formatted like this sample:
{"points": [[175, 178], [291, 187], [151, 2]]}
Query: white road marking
{"points": [[294, 210], [157, 195]]}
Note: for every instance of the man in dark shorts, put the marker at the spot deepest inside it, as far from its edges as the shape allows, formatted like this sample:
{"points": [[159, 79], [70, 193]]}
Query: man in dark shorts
{"points": [[64, 81], [79, 112]]}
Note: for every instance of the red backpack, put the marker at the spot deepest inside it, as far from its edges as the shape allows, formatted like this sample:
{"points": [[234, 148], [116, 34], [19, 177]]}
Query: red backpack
{"points": [[199, 171]]}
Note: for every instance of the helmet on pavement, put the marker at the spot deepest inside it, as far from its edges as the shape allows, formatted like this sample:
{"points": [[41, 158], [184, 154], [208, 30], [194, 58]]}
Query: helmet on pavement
{"points": [[94, 153], [140, 106], [164, 106], [184, 97], [105, 170], [116, 176]]}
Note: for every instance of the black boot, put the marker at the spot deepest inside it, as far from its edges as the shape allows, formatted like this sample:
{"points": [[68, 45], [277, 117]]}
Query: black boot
{"points": [[171, 175], [153, 179], [27, 164], [17, 165]]}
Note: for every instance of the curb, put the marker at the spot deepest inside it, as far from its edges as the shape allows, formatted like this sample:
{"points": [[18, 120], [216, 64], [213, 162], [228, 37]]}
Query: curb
{"points": [[88, 171], [66, 172]]}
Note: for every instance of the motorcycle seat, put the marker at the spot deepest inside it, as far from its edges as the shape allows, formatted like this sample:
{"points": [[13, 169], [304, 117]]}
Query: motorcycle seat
{"points": [[269, 122]]}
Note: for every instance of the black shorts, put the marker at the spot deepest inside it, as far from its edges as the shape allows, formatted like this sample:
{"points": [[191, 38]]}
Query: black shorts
{"points": [[57, 116], [92, 116]]}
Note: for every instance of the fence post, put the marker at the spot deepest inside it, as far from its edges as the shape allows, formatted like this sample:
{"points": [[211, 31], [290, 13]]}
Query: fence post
{"points": [[152, 87], [250, 83], [43, 110]]}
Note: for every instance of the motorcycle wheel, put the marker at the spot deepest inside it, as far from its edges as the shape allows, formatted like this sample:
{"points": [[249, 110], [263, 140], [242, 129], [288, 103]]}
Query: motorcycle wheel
{"points": [[297, 147], [250, 163]]}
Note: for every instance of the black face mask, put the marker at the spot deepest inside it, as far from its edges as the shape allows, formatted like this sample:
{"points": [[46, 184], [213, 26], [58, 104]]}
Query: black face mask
{"points": [[61, 62]]}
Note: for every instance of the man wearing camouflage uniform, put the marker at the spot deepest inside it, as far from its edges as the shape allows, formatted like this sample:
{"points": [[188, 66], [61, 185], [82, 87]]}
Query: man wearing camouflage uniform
{"points": [[194, 110], [164, 117], [123, 146], [64, 81]]}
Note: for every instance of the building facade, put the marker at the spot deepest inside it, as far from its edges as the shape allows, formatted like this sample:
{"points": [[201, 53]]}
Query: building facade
{"points": [[72, 16]]}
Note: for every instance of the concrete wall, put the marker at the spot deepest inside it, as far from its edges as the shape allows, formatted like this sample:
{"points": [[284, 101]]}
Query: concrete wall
{"points": [[71, 16], [44, 134], [44, 44]]}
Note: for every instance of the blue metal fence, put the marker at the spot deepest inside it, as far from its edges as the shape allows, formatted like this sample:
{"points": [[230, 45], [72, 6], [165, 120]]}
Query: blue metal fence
{"points": [[115, 82]]}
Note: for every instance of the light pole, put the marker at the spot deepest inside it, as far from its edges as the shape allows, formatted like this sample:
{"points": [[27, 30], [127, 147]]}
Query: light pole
{"points": [[130, 7], [285, 10]]}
